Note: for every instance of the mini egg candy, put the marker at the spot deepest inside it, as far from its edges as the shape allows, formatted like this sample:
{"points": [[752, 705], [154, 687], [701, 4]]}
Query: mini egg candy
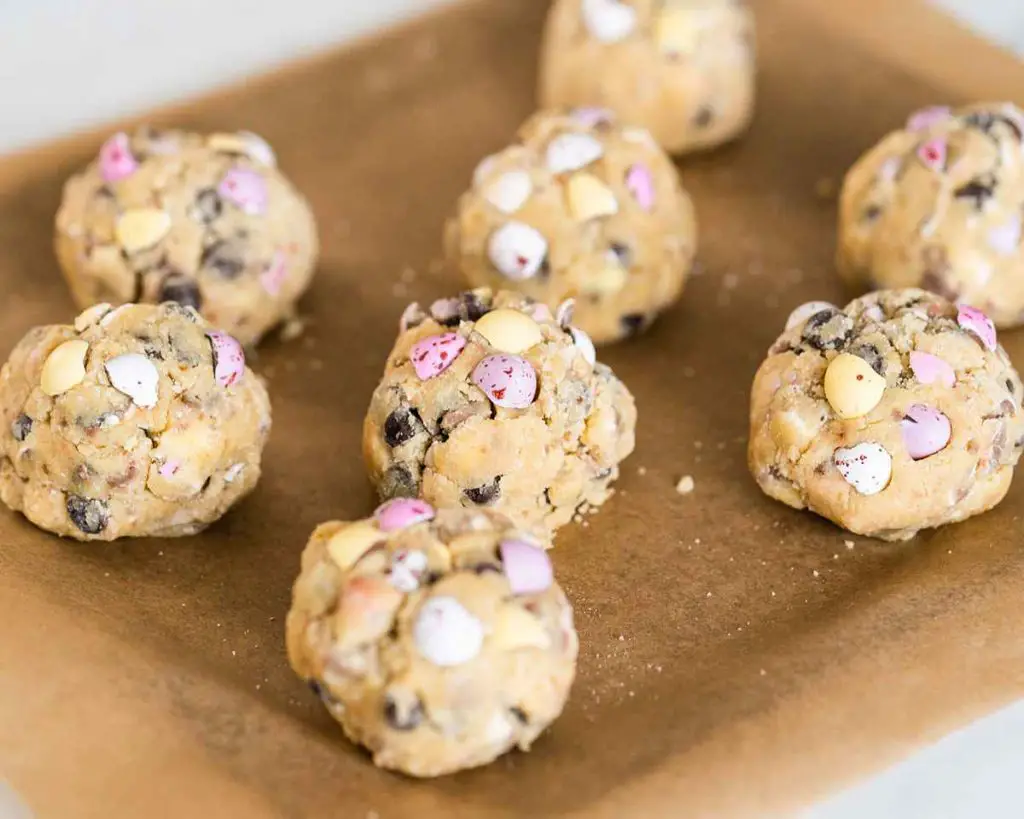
{"points": [[572, 152], [116, 159], [802, 313], [930, 369], [446, 634], [507, 380], [640, 183], [435, 354], [401, 513], [510, 331], [228, 358], [925, 431], [517, 250], [510, 191], [584, 345], [933, 154], [135, 376], [927, 117], [245, 189], [352, 541], [852, 388], [978, 324], [64, 368], [527, 566], [867, 467], [608, 21]]}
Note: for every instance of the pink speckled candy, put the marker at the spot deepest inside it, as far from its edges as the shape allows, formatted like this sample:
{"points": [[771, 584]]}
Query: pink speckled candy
{"points": [[228, 358], [974, 321], [933, 154], [925, 431], [867, 467], [435, 354], [527, 567], [245, 189], [508, 380], [927, 117], [640, 183], [169, 468], [929, 369], [274, 276], [116, 159], [592, 117], [402, 513]]}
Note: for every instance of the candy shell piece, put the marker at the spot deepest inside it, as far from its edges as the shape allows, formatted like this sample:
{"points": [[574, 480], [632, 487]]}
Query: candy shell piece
{"points": [[349, 544], [564, 312], [141, 228], [852, 388], [90, 316], [509, 192], [593, 117], [584, 344], [408, 566], [507, 380], [608, 21], [401, 513], [445, 633], [572, 152], [1005, 239], [137, 377], [933, 154], [116, 159], [929, 369], [509, 330], [517, 250], [589, 198], [925, 431], [273, 278], [927, 117], [228, 358], [433, 355], [867, 467], [978, 324], [800, 315], [245, 189], [64, 367], [527, 566], [640, 183]]}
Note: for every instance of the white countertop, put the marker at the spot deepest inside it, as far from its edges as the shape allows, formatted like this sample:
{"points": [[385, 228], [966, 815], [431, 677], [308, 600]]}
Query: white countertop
{"points": [[61, 70]]}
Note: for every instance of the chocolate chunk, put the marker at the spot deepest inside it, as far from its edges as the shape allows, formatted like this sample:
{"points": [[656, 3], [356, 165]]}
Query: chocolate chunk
{"points": [[871, 213], [979, 189], [402, 425], [182, 290], [1009, 386], [398, 482], [21, 427], [403, 716], [545, 267], [321, 691], [88, 514], [458, 416], [871, 354], [828, 329], [208, 206], [633, 324], [705, 116], [986, 122], [486, 493], [520, 715], [484, 568], [473, 307], [623, 254], [223, 258]]}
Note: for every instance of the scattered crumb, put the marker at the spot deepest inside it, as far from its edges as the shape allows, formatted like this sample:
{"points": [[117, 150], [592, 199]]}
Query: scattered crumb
{"points": [[708, 594], [697, 444], [817, 573], [622, 637], [849, 544], [408, 275], [763, 672], [641, 471], [399, 290], [685, 485], [292, 329], [835, 557], [316, 364], [689, 372], [825, 188], [696, 540]]}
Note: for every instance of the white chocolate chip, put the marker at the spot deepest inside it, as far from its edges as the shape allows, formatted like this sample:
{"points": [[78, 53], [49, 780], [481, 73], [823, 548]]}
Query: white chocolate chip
{"points": [[800, 315], [509, 330], [640, 136], [135, 376], [867, 467], [516, 628], [585, 345], [509, 192], [608, 279], [517, 250], [141, 228], [446, 634], [113, 314], [571, 152], [347, 545], [608, 21], [64, 367], [676, 31], [88, 317], [589, 198]]}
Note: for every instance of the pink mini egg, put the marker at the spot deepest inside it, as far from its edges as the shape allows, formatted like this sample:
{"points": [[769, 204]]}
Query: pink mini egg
{"points": [[274, 276], [508, 380], [116, 159], [929, 369], [435, 354], [927, 117], [245, 189], [925, 431], [978, 324], [228, 358], [640, 183], [527, 566], [402, 513]]}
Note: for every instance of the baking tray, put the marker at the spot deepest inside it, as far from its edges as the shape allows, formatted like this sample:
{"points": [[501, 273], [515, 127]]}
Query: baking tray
{"points": [[737, 656]]}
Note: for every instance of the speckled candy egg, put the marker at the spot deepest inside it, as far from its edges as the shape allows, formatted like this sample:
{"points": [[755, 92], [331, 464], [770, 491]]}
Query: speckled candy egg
{"points": [[440, 644], [580, 207], [208, 222], [137, 420], [894, 414], [937, 205], [489, 401], [683, 69]]}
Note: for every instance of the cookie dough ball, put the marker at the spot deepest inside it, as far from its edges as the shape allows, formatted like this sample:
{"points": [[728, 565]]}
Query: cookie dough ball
{"points": [[138, 420], [490, 402], [683, 69], [937, 205], [897, 413], [579, 208], [438, 640], [208, 222]]}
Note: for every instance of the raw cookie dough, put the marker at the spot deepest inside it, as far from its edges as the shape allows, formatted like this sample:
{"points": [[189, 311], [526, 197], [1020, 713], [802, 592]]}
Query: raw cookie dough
{"points": [[579, 208], [208, 222], [683, 69], [898, 413], [438, 640], [138, 420], [938, 205], [489, 401]]}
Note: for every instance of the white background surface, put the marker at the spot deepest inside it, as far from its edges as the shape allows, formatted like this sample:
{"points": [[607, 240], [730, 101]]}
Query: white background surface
{"points": [[69, 64]]}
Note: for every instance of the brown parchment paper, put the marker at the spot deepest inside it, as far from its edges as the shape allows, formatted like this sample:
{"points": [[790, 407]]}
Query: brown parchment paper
{"points": [[739, 658]]}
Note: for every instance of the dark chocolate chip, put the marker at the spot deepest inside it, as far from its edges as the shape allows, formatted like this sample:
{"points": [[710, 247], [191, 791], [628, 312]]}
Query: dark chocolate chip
{"points": [[486, 493], [980, 190], [224, 259], [88, 514], [105, 192], [484, 568], [206, 484], [326, 697], [1009, 386], [208, 206], [473, 307], [402, 425], [398, 482], [21, 427], [871, 213], [623, 255], [828, 329], [520, 715], [705, 116], [403, 716], [181, 290], [430, 578], [633, 323], [986, 121], [871, 354]]}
